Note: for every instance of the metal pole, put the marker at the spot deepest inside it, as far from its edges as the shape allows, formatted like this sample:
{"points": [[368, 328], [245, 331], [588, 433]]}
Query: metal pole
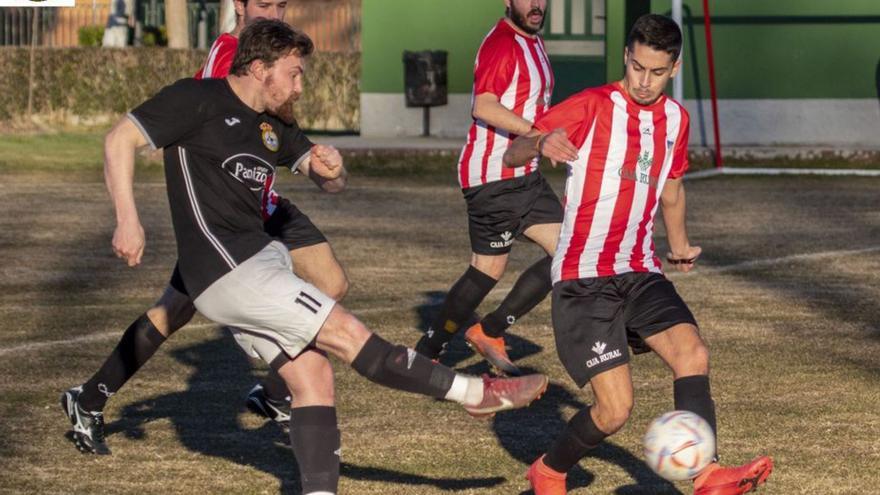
{"points": [[426, 122], [678, 81], [34, 26], [711, 63]]}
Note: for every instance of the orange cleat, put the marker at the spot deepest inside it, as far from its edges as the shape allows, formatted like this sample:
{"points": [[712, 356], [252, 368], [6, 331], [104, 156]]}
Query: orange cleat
{"points": [[544, 480], [501, 394], [717, 480], [492, 349]]}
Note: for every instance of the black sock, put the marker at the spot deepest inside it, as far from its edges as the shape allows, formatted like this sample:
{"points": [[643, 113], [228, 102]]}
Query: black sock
{"points": [[529, 290], [137, 345], [572, 445], [692, 394], [314, 437], [462, 300], [275, 388], [400, 368]]}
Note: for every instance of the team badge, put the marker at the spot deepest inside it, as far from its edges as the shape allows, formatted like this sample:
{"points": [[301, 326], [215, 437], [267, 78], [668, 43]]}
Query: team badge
{"points": [[270, 139]]}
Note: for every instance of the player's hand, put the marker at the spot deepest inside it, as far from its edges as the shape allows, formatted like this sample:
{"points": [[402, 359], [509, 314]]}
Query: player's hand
{"points": [[557, 147], [326, 162], [684, 261], [128, 242]]}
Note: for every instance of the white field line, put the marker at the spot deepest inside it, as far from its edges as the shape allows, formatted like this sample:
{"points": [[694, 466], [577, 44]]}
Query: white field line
{"points": [[712, 172], [745, 265]]}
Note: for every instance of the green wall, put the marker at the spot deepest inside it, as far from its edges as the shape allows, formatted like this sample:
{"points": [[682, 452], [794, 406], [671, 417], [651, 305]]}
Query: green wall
{"points": [[783, 48], [392, 26]]}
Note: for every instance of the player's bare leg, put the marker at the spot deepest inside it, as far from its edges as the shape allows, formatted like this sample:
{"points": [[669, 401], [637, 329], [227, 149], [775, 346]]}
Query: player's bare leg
{"points": [[613, 395], [532, 287], [318, 265], [682, 349], [314, 434]]}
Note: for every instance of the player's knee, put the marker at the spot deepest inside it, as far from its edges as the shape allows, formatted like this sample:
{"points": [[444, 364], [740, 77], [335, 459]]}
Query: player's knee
{"points": [[611, 415], [492, 266], [339, 288], [171, 312], [314, 386], [693, 360]]}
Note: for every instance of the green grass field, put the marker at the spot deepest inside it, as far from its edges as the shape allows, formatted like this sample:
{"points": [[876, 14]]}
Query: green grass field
{"points": [[786, 294]]}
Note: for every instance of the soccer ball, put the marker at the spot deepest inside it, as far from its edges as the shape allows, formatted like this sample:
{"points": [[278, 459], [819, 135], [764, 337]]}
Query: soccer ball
{"points": [[678, 445]]}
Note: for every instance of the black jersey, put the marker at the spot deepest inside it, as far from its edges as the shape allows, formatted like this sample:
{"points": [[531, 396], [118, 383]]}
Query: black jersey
{"points": [[220, 155]]}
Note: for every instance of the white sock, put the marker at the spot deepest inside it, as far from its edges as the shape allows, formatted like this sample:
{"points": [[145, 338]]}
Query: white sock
{"points": [[466, 390]]}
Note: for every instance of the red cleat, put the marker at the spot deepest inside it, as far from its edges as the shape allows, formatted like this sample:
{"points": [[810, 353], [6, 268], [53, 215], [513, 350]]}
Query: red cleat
{"points": [[492, 349], [501, 394], [544, 480], [717, 480]]}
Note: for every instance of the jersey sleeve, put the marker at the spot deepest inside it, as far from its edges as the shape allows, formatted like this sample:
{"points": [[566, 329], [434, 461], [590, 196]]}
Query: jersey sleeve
{"points": [[680, 162], [570, 114], [171, 113], [495, 66], [296, 147]]}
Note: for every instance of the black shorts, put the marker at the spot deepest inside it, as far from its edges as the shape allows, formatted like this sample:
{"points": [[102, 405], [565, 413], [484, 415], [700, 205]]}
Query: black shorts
{"points": [[595, 318], [287, 224], [292, 227], [500, 211]]}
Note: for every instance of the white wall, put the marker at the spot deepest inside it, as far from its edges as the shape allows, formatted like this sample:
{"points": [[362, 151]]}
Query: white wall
{"points": [[813, 122]]}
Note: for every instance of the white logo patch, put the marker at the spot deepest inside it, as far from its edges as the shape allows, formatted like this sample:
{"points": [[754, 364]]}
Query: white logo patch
{"points": [[410, 358], [231, 121], [599, 348], [506, 240]]}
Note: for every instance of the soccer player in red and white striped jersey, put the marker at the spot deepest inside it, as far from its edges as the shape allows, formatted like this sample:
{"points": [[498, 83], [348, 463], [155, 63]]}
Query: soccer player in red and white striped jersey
{"points": [[512, 87], [625, 144]]}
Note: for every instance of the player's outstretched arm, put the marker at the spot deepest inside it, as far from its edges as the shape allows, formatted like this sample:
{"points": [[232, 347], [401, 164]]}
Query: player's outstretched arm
{"points": [[554, 145], [326, 169], [120, 146], [682, 255], [489, 109]]}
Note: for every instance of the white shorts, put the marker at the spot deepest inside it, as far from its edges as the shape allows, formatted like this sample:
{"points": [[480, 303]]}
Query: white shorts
{"points": [[271, 309]]}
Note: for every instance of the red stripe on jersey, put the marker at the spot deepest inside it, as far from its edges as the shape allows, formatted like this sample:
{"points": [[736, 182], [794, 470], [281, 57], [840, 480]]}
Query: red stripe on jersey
{"points": [[490, 143], [625, 193], [466, 155], [540, 105], [523, 88], [660, 152], [590, 195], [549, 68]]}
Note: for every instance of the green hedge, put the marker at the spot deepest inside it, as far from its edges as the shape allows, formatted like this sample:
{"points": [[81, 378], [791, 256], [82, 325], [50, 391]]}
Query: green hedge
{"points": [[89, 82]]}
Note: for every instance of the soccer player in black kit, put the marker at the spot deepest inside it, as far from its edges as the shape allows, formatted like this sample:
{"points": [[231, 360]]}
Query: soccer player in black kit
{"points": [[223, 141]]}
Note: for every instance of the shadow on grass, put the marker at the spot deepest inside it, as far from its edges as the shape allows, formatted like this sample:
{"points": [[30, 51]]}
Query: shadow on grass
{"points": [[205, 421]]}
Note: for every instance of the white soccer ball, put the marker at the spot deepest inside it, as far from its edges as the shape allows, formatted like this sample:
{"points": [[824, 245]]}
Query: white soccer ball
{"points": [[678, 445]]}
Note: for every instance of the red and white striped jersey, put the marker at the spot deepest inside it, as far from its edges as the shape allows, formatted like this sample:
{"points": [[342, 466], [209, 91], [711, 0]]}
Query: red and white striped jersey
{"points": [[626, 152], [219, 58], [217, 66], [516, 69]]}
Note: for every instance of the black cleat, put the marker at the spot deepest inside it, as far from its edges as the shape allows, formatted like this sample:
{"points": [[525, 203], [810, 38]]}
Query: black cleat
{"points": [[427, 346], [88, 426], [276, 411]]}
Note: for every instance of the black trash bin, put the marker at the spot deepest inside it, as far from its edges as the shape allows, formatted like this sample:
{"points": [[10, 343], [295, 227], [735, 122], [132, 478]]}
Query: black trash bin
{"points": [[425, 82]]}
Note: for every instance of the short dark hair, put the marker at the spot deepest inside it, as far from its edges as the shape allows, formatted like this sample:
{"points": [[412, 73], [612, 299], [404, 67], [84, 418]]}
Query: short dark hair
{"points": [[268, 40], [657, 31]]}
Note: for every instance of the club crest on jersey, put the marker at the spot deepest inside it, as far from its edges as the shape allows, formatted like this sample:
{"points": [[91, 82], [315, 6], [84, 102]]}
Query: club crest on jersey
{"points": [[644, 161], [270, 139]]}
